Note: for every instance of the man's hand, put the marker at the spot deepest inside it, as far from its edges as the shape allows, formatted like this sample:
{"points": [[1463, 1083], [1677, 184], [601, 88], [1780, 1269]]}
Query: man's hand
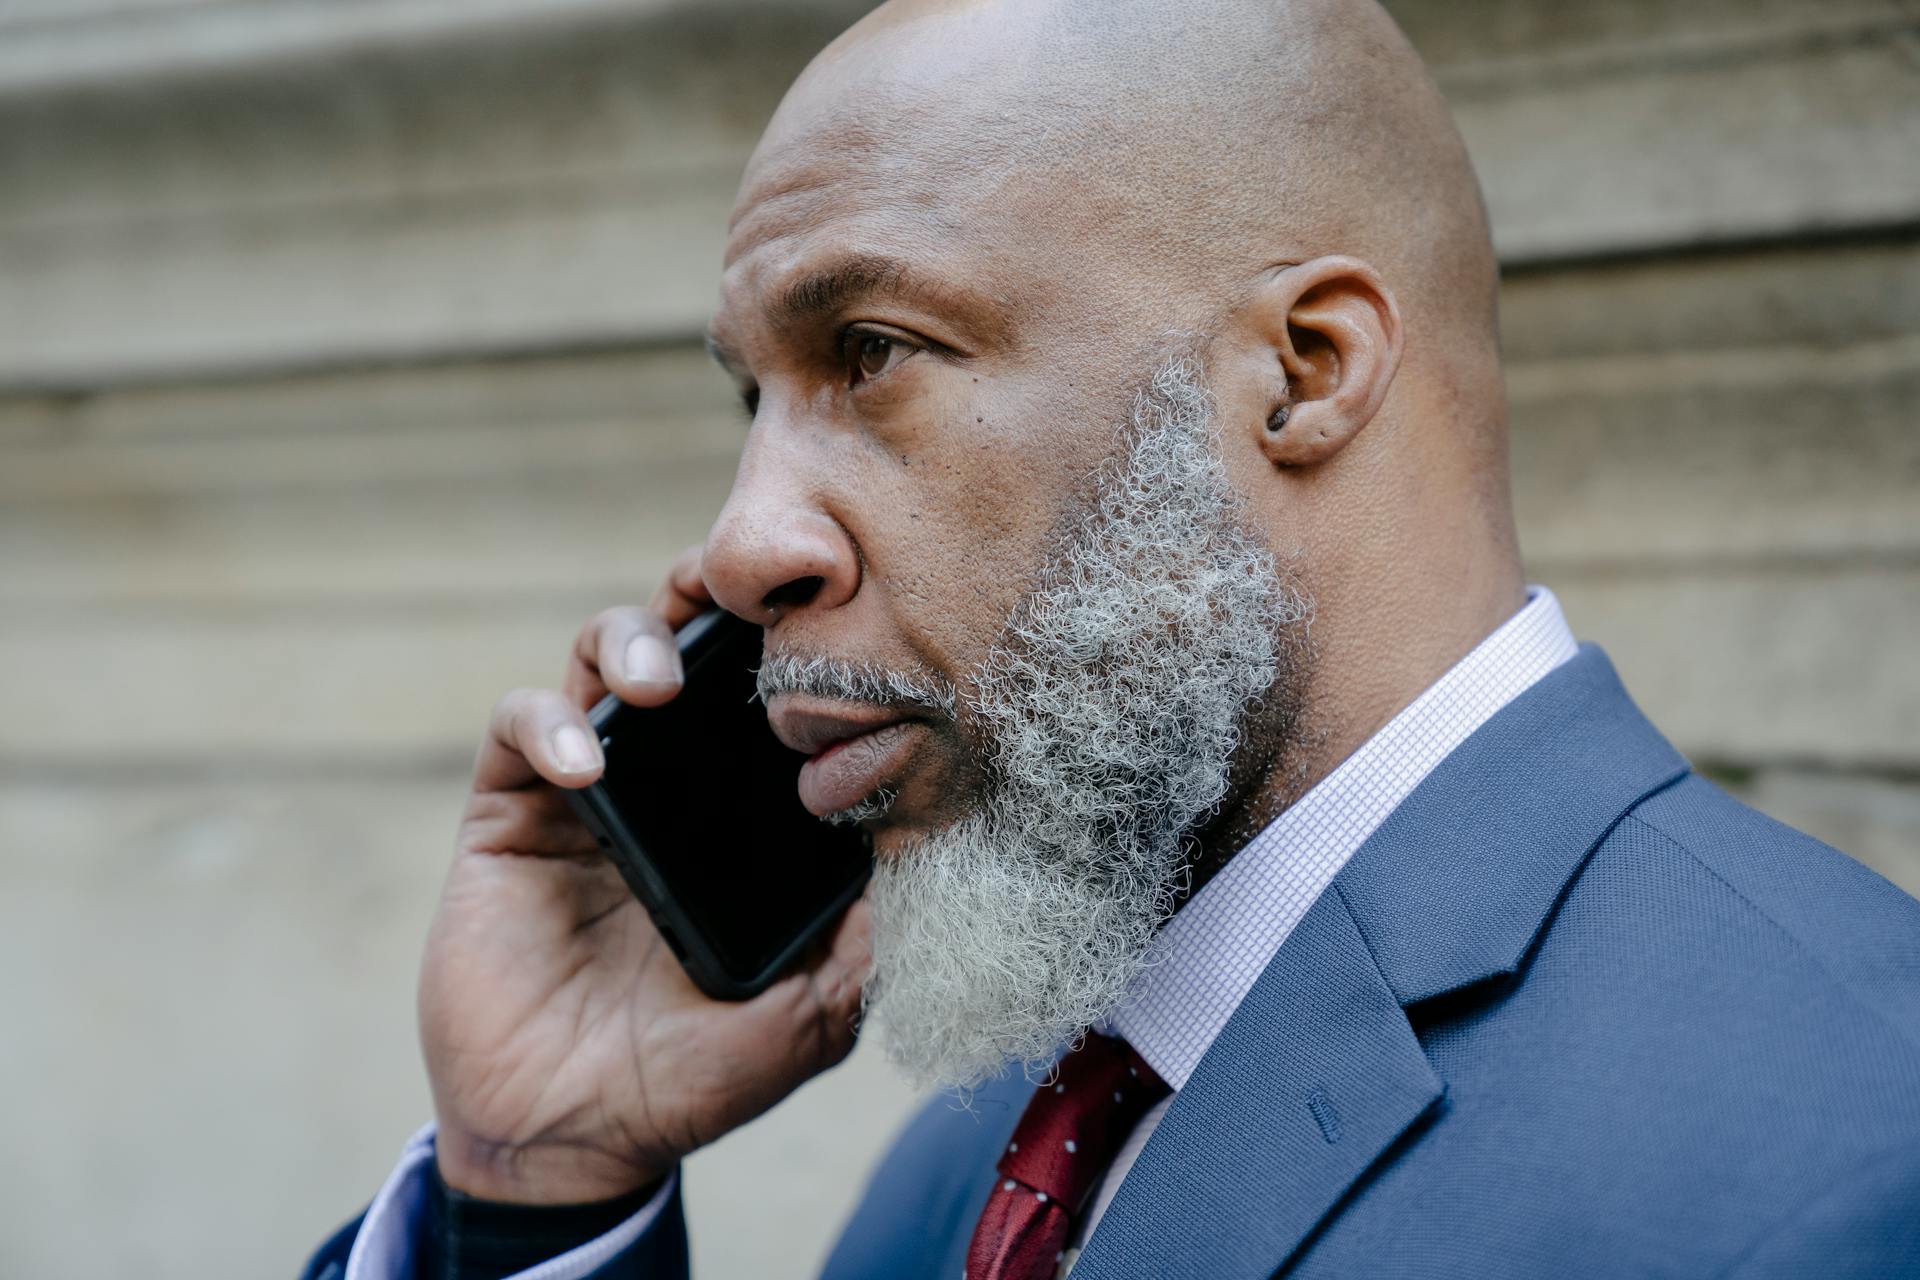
{"points": [[571, 1058]]}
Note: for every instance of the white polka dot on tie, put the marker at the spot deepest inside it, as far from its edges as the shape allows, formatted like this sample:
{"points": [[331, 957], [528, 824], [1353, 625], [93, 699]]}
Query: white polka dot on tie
{"points": [[1135, 1074], [1116, 1095], [1070, 1147], [1041, 1196], [1059, 1088], [1007, 1185], [1013, 1146]]}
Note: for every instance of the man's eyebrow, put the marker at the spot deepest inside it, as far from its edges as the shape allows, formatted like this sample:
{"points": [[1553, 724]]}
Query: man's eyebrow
{"points": [[821, 292]]}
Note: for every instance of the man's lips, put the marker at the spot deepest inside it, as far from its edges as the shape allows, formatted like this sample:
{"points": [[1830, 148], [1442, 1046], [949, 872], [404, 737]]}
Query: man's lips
{"points": [[852, 749]]}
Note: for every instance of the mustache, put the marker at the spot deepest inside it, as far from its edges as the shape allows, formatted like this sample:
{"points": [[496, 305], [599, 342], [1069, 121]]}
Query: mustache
{"points": [[863, 682]]}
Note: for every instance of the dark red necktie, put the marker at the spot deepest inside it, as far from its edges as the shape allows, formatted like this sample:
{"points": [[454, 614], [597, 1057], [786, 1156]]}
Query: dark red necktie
{"points": [[1065, 1140]]}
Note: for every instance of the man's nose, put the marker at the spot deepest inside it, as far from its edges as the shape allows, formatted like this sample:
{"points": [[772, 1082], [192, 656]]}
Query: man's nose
{"points": [[774, 548]]}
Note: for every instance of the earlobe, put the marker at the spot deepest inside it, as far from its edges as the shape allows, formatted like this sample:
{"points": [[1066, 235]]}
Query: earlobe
{"points": [[1332, 328]]}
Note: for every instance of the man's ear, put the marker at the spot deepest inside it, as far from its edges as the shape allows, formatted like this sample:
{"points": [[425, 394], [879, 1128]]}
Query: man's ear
{"points": [[1327, 337]]}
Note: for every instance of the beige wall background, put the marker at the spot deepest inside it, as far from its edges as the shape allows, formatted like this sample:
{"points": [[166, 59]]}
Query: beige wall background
{"points": [[349, 358]]}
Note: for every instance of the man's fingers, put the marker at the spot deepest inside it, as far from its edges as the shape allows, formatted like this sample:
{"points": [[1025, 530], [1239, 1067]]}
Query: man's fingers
{"points": [[811, 1013], [628, 650], [836, 989], [537, 733], [531, 820], [684, 595]]}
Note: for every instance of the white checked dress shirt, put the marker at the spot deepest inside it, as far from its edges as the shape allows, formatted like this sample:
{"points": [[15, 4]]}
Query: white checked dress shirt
{"points": [[1206, 958]]}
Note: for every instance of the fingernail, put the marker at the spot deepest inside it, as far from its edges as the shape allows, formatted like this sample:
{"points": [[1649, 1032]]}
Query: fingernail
{"points": [[650, 661], [575, 751]]}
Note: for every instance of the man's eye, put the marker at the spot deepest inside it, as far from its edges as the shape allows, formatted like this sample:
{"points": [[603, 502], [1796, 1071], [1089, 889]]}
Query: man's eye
{"points": [[869, 354]]}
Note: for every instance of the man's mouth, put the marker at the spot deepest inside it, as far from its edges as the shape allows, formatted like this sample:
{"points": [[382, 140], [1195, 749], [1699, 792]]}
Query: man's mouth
{"points": [[852, 750]]}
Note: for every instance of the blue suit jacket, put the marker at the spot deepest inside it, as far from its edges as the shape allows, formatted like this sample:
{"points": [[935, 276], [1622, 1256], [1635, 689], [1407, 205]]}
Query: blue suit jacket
{"points": [[1571, 1011]]}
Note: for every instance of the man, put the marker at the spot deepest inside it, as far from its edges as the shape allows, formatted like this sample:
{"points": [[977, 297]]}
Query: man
{"points": [[1126, 509]]}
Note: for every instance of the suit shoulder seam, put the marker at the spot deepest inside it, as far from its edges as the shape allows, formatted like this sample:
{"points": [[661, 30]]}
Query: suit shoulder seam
{"points": [[1794, 939], [1866, 1167]]}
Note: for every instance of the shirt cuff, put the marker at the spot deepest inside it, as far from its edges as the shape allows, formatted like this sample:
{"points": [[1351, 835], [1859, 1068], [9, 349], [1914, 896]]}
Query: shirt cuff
{"points": [[384, 1249]]}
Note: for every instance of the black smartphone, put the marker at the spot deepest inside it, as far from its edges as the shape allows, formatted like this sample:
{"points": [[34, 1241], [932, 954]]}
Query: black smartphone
{"points": [[699, 811]]}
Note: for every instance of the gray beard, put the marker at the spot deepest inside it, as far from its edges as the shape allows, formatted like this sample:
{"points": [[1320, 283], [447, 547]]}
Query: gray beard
{"points": [[1108, 714]]}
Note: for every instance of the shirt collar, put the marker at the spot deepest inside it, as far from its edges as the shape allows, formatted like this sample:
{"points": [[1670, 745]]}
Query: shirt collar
{"points": [[1207, 957]]}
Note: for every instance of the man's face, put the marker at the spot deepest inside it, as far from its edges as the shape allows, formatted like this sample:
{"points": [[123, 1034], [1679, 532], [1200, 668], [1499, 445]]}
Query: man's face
{"points": [[934, 375], [1014, 609]]}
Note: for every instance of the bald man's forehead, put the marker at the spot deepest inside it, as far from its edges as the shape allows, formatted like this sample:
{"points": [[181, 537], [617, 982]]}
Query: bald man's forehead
{"points": [[903, 143], [877, 153], [1023, 119], [887, 102], [878, 166]]}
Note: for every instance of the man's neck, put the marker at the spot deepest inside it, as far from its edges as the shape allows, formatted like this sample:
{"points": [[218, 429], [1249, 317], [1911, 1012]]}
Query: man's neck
{"points": [[1286, 764]]}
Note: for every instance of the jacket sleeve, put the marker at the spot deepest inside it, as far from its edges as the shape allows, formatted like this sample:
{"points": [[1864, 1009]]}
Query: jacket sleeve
{"points": [[381, 1244], [329, 1261]]}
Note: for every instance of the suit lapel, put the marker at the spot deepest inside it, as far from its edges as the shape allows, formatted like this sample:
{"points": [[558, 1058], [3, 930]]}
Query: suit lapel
{"points": [[1318, 1072], [1315, 1075], [1460, 879]]}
